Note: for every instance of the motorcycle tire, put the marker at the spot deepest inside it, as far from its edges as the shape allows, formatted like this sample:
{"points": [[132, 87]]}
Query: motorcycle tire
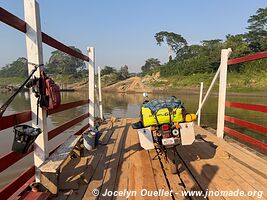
{"points": [[173, 167], [172, 164]]}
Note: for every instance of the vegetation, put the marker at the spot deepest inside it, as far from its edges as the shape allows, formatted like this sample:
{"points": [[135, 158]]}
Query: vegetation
{"points": [[150, 64], [111, 75], [18, 68], [196, 62], [190, 65]]}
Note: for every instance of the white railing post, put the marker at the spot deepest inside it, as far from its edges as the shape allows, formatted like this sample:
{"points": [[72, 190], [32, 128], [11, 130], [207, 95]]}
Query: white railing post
{"points": [[225, 53], [35, 55], [91, 85], [100, 93], [199, 104]]}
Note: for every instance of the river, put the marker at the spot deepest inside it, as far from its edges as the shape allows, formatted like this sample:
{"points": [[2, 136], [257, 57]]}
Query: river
{"points": [[126, 105]]}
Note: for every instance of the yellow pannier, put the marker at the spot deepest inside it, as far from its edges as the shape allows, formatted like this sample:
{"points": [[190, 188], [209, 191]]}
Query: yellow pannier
{"points": [[163, 116]]}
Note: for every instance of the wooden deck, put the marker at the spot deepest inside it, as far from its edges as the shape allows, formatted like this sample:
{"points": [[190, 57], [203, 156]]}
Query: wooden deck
{"points": [[120, 164]]}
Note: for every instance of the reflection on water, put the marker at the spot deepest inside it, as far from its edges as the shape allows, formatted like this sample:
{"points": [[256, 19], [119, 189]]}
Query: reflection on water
{"points": [[123, 105]]}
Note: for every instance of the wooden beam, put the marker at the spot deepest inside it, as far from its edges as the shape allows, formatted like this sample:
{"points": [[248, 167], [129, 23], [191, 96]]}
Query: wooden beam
{"points": [[222, 91], [66, 125], [248, 58], [12, 20], [246, 138], [246, 124], [67, 106], [12, 188], [12, 120], [91, 85], [62, 47], [100, 93], [35, 55], [246, 106]]}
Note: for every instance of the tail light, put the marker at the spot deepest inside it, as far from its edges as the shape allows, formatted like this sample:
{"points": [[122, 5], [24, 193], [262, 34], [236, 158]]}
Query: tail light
{"points": [[167, 135], [165, 127]]}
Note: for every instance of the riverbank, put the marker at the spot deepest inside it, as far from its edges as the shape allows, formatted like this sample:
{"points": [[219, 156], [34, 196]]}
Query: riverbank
{"points": [[154, 83]]}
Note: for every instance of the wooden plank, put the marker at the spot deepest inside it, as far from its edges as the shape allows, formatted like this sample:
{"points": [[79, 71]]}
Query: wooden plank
{"points": [[246, 124], [11, 158], [50, 168], [105, 136], [12, 20], [20, 25], [225, 53], [257, 182], [246, 106], [247, 58], [160, 178], [62, 47], [188, 180], [99, 174], [112, 170], [36, 196], [141, 176], [95, 157], [68, 106], [11, 189], [53, 133], [229, 170], [53, 163], [123, 168], [225, 173], [174, 180], [12, 120], [255, 162], [202, 172], [247, 139]]}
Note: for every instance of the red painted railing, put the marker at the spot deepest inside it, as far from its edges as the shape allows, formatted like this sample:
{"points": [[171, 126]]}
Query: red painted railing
{"points": [[246, 124], [20, 183], [248, 58], [246, 106], [21, 25]]}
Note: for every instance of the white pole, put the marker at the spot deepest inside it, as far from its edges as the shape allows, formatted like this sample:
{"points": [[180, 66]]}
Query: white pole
{"points": [[210, 87], [35, 55], [222, 91], [100, 93], [91, 81], [199, 105]]}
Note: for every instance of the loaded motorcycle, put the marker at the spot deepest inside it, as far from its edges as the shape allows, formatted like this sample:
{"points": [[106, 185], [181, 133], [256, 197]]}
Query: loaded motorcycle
{"points": [[163, 126]]}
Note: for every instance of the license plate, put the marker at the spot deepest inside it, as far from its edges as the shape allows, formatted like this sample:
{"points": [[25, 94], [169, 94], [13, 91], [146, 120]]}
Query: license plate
{"points": [[168, 141]]}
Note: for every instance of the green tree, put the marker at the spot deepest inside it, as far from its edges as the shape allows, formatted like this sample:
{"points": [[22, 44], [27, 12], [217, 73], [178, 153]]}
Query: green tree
{"points": [[124, 72], [175, 41], [107, 70], [150, 64], [63, 63], [18, 68], [238, 44], [257, 30]]}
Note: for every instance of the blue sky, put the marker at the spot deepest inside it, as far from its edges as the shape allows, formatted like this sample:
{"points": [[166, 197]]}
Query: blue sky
{"points": [[122, 31]]}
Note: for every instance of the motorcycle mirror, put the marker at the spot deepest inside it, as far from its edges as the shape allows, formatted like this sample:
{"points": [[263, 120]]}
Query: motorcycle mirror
{"points": [[145, 94]]}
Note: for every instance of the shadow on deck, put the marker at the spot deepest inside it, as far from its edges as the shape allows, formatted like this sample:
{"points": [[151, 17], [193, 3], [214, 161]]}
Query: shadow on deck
{"points": [[210, 165]]}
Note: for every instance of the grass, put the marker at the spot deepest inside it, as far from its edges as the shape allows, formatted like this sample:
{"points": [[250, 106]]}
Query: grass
{"points": [[11, 81]]}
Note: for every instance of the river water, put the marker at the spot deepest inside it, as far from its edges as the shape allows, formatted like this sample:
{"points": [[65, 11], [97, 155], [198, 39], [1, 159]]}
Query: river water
{"points": [[125, 105]]}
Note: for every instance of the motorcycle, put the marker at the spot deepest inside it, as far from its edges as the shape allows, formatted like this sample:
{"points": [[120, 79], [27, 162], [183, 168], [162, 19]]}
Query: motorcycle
{"points": [[165, 135]]}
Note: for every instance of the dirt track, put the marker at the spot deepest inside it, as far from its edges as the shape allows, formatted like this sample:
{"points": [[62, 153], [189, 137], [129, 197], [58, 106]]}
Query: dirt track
{"points": [[133, 84]]}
